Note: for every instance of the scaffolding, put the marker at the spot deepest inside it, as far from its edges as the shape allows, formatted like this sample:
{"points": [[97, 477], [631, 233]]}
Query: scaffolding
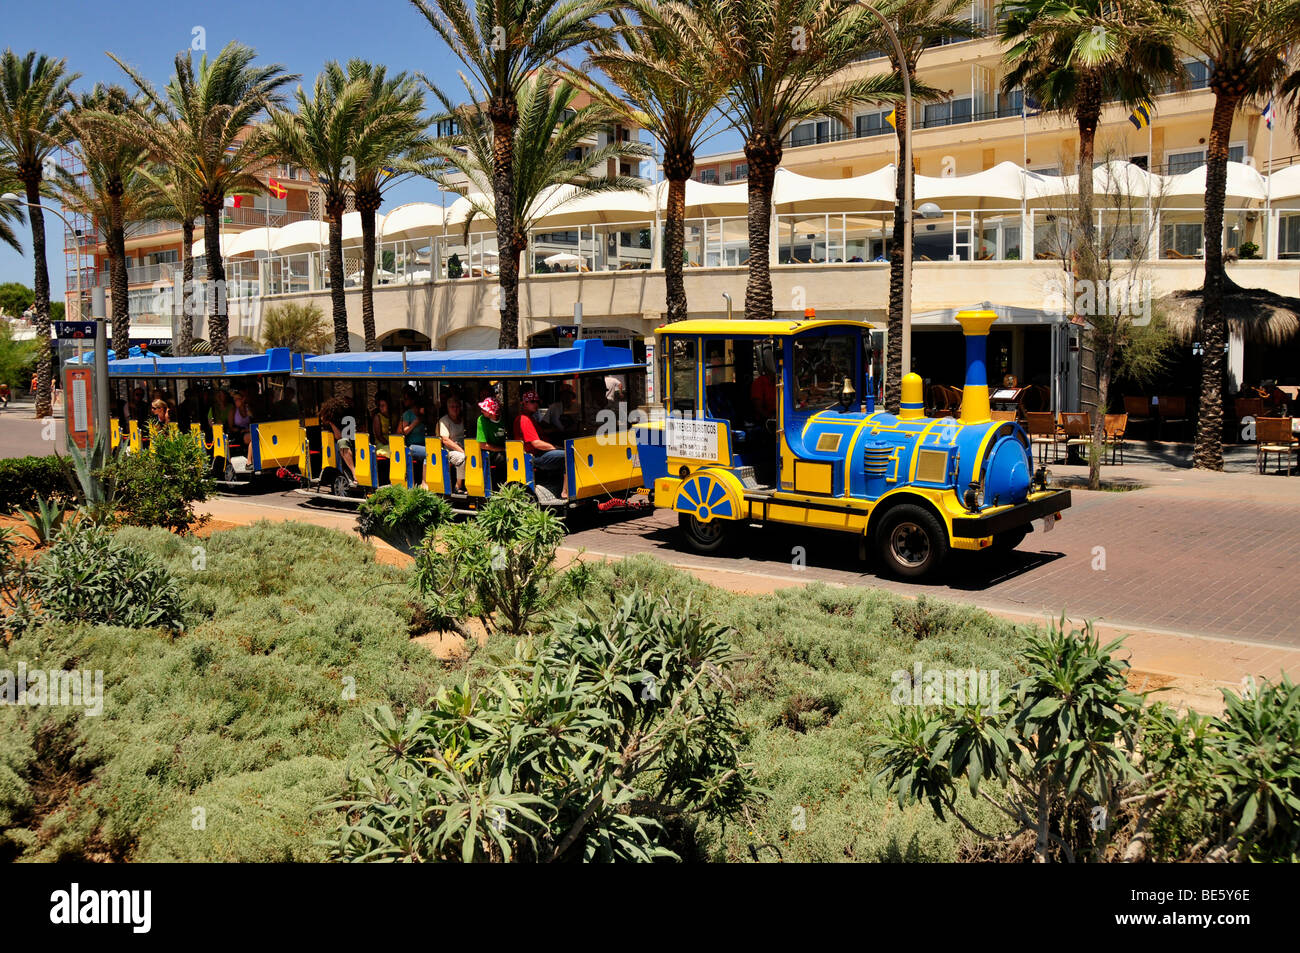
{"points": [[79, 243]]}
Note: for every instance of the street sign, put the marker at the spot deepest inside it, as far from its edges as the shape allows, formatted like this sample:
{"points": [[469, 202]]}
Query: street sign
{"points": [[74, 330]]}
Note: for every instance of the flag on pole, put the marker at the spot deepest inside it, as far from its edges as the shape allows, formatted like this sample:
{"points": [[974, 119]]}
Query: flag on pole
{"points": [[1141, 116], [386, 171], [276, 189], [892, 118], [1030, 106], [236, 201], [1268, 114]]}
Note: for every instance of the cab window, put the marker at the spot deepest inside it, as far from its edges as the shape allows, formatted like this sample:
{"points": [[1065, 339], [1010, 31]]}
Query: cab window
{"points": [[820, 366], [681, 374]]}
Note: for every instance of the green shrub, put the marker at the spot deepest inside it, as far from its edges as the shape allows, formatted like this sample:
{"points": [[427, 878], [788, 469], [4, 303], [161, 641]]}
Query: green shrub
{"points": [[89, 577], [402, 517], [607, 739], [499, 566], [160, 487], [44, 520], [23, 479]]}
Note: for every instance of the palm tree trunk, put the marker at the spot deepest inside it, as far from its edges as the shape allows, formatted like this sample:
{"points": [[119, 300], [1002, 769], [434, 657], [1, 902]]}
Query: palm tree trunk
{"points": [[185, 337], [503, 194], [894, 322], [675, 243], [338, 296], [117, 279], [214, 285], [1105, 362], [1208, 454], [763, 151], [368, 276], [1084, 253], [41, 289]]}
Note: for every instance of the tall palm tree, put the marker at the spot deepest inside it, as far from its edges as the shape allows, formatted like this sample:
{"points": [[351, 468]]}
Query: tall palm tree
{"points": [[177, 200], [203, 120], [113, 192], [34, 96], [917, 24], [502, 44], [782, 60], [319, 137], [1076, 56], [389, 142], [547, 153], [1247, 45], [670, 87], [9, 216]]}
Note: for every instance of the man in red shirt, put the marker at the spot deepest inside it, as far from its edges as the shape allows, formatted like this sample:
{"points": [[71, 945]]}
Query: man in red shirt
{"points": [[548, 459]]}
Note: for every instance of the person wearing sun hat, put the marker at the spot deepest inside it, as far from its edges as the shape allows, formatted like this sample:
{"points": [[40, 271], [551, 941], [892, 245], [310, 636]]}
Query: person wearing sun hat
{"points": [[492, 432], [548, 459]]}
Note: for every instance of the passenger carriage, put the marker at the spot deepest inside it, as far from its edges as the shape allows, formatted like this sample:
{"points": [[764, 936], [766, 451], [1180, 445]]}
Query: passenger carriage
{"points": [[820, 455], [600, 454]]}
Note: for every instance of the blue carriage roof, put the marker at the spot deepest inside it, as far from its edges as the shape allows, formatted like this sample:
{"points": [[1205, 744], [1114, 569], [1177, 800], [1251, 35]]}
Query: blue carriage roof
{"points": [[588, 356], [277, 360]]}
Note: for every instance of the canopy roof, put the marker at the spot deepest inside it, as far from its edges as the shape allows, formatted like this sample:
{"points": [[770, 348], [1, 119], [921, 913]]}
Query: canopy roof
{"points": [[1002, 185], [278, 360], [352, 227], [253, 240], [414, 220], [760, 327], [305, 236], [223, 239], [587, 356], [871, 192], [1245, 185], [1284, 185]]}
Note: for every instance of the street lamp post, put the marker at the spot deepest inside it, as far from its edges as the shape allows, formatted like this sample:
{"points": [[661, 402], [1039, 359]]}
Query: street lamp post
{"points": [[101, 337], [904, 169]]}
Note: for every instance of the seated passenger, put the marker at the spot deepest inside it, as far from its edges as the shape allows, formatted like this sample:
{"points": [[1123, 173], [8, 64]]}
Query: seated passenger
{"points": [[332, 414], [561, 418], [548, 460], [411, 425], [381, 425], [451, 431], [241, 423], [492, 434], [286, 408]]}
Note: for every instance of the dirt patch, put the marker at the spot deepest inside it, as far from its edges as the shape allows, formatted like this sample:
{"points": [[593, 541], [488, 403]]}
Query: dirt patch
{"points": [[448, 646], [23, 538], [212, 526]]}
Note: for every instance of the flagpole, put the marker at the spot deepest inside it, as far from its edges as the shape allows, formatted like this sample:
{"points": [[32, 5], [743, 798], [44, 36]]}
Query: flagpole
{"points": [[1268, 187]]}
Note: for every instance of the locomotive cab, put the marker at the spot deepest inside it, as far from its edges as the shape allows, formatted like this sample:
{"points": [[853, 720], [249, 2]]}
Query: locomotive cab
{"points": [[775, 421]]}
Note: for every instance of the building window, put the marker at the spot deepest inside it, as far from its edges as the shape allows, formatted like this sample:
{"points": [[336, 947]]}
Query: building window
{"points": [[1179, 162], [1010, 104], [1198, 74], [871, 124], [1183, 237], [1288, 236], [709, 175], [815, 132], [1237, 153], [950, 113]]}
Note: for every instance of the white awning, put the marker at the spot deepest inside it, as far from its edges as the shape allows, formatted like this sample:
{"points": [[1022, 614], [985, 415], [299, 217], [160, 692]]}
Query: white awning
{"points": [[1245, 185], [352, 228], [1284, 186], [412, 221], [197, 248], [254, 240], [1002, 186], [565, 208], [300, 237], [792, 192]]}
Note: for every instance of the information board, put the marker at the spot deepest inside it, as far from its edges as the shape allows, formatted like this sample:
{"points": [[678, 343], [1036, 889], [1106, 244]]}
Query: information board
{"points": [[692, 439]]}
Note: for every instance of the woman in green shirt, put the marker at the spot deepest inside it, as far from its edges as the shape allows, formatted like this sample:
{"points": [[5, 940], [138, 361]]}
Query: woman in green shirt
{"points": [[492, 432]]}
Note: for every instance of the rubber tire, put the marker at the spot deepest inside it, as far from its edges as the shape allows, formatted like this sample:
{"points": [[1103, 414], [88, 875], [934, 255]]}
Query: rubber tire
{"points": [[342, 486], [925, 522], [717, 533], [229, 474], [1006, 542]]}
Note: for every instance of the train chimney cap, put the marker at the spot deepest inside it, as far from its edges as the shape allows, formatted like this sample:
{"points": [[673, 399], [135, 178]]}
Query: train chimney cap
{"points": [[810, 312]]}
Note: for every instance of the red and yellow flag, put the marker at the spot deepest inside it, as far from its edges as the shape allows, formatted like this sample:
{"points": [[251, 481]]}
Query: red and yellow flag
{"points": [[276, 189]]}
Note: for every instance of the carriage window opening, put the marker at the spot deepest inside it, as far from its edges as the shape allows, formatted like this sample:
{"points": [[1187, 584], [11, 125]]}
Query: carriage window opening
{"points": [[681, 375], [719, 362], [820, 366]]}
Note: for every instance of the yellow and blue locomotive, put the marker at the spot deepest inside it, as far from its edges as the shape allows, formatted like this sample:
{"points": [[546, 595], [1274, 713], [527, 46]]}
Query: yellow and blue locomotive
{"points": [[762, 421]]}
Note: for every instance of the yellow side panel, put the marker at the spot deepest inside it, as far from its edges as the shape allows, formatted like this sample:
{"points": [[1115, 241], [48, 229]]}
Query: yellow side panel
{"points": [[604, 464], [516, 462], [304, 453], [277, 442], [363, 457], [812, 477], [475, 478], [196, 431], [397, 460], [435, 480], [329, 455], [133, 429], [855, 522], [219, 447], [115, 432]]}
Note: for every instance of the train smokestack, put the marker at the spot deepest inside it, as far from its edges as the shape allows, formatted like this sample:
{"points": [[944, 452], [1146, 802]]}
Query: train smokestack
{"points": [[975, 394]]}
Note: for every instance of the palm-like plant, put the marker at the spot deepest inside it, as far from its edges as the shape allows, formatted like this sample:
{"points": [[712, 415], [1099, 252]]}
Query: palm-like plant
{"points": [[34, 95], [670, 87], [113, 192], [502, 44], [1247, 44], [389, 142], [549, 134], [176, 199], [201, 124], [1075, 56], [319, 137], [917, 24], [9, 216], [781, 59]]}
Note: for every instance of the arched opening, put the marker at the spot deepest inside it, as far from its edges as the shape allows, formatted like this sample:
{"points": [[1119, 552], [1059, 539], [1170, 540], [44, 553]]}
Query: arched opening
{"points": [[404, 339], [473, 339]]}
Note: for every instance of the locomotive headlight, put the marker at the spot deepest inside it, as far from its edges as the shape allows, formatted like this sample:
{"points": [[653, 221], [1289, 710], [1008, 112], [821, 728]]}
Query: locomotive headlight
{"points": [[972, 497], [1040, 478]]}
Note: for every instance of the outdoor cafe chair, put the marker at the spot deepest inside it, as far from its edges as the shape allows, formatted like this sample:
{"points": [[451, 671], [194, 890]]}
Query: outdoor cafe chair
{"points": [[1043, 434], [1076, 427], [1274, 435], [1138, 410], [1115, 425], [1172, 410]]}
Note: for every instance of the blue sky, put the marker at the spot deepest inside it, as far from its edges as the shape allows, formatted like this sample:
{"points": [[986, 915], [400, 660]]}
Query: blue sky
{"points": [[149, 35]]}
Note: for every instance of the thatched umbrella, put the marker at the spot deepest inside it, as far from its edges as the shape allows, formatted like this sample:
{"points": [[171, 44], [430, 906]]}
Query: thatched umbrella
{"points": [[1255, 314]]}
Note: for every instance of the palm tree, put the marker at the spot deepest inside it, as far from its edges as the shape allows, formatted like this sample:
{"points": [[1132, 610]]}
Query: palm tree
{"points": [[1076, 56], [502, 44], [177, 200], [547, 154], [918, 24], [34, 94], [319, 137], [9, 216], [201, 124], [781, 60], [671, 88], [389, 143], [114, 192], [1246, 44]]}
